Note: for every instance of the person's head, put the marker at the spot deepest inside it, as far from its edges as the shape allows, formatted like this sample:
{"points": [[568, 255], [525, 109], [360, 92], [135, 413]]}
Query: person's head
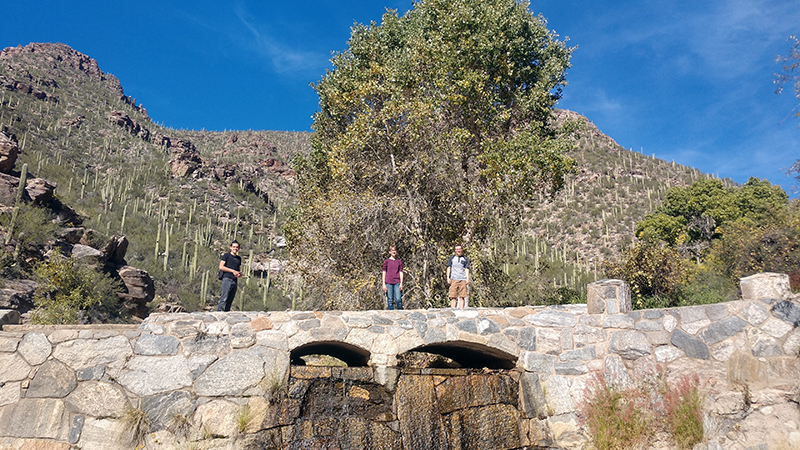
{"points": [[393, 251], [235, 247], [459, 249]]}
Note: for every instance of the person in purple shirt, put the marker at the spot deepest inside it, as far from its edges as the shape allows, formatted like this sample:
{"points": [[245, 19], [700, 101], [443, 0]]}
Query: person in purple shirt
{"points": [[393, 280]]}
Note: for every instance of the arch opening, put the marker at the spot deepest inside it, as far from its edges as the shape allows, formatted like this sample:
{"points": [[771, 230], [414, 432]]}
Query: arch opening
{"points": [[350, 355], [461, 354]]}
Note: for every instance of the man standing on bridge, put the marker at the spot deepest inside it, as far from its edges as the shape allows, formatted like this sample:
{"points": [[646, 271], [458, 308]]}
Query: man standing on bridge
{"points": [[458, 278], [229, 266]]}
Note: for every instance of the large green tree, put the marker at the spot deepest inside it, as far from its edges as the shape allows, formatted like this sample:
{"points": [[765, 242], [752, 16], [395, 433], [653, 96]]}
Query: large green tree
{"points": [[432, 129]]}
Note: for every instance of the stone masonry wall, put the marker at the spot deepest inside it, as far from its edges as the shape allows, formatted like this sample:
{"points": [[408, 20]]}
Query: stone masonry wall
{"points": [[70, 387]]}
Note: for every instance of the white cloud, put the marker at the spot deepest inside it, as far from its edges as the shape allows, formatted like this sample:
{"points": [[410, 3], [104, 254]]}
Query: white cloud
{"points": [[283, 57]]}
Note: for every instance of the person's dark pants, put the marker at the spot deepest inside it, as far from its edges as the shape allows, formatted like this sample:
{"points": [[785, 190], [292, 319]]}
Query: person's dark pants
{"points": [[228, 292], [394, 297]]}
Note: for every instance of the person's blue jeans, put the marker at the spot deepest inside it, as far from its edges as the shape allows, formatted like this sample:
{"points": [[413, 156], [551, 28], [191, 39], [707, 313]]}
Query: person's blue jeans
{"points": [[229, 287], [394, 297]]}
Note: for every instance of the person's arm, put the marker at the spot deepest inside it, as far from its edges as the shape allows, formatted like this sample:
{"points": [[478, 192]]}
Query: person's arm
{"points": [[383, 281], [449, 281], [466, 270], [225, 268], [401, 275]]}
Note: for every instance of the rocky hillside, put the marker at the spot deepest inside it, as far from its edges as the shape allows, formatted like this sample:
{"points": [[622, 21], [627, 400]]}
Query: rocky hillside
{"points": [[178, 197]]}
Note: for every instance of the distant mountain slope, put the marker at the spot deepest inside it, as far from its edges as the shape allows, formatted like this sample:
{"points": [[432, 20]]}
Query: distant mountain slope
{"points": [[196, 190]]}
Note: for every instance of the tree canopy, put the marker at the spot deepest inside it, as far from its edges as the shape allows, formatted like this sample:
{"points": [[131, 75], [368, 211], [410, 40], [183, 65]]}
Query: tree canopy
{"points": [[693, 215], [729, 232], [433, 128]]}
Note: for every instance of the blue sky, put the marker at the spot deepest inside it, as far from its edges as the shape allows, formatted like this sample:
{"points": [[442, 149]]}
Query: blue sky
{"points": [[690, 81]]}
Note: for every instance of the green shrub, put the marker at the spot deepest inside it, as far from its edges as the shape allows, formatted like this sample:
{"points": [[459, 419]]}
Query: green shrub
{"points": [[68, 290], [655, 273]]}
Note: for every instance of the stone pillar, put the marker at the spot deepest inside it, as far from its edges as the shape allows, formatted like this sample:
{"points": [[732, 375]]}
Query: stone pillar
{"points": [[765, 286], [608, 297]]}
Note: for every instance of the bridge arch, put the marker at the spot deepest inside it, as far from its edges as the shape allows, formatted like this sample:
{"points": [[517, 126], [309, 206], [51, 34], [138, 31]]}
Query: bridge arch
{"points": [[470, 354], [350, 354]]}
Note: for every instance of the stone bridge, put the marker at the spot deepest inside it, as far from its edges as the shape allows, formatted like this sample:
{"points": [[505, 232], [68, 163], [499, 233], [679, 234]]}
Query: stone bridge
{"points": [[71, 385]]}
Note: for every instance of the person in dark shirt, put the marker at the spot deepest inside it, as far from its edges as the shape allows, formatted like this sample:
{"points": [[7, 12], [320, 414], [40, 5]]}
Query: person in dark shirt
{"points": [[229, 266], [393, 280]]}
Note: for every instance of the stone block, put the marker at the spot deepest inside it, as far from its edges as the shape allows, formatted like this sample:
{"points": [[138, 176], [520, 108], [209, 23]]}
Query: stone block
{"points": [[162, 408], [693, 347], [667, 353], [608, 297], [629, 344], [35, 348], [149, 375], [526, 339], [97, 399], [787, 311], [14, 367], [755, 313], [532, 400], [557, 394], [10, 393], [570, 368], [43, 418], [746, 370], [723, 329], [776, 328], [548, 340], [552, 318], [764, 285], [582, 354], [537, 362], [152, 345], [54, 379], [83, 353], [616, 373]]}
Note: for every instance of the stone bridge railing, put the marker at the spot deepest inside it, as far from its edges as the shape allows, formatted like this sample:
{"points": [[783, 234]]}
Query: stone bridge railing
{"points": [[64, 386]]}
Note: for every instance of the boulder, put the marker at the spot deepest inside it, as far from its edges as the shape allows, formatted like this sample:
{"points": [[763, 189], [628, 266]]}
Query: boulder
{"points": [[140, 289], [8, 189], [71, 235], [41, 191], [17, 294], [9, 149], [80, 251], [115, 250], [9, 317]]}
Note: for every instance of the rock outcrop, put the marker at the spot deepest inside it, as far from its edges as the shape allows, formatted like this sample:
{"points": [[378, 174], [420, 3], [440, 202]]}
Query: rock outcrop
{"points": [[140, 290], [9, 149]]}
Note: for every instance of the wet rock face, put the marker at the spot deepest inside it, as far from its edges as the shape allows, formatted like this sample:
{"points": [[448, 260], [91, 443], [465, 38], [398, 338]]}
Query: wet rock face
{"points": [[440, 409], [339, 398]]}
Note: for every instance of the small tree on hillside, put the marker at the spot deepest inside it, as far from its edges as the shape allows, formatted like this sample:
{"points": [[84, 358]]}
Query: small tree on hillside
{"points": [[433, 128]]}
